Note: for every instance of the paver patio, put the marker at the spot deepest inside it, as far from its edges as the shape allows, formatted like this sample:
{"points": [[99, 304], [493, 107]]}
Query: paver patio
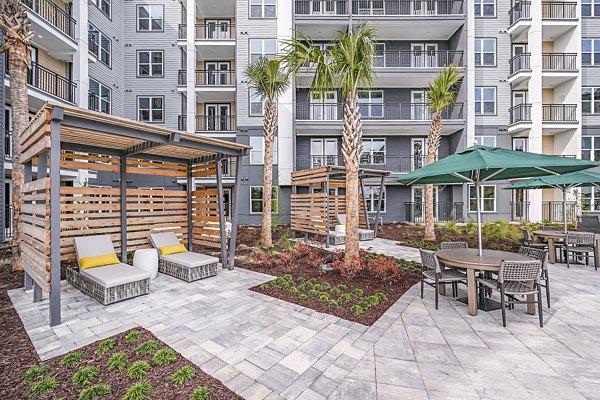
{"points": [[265, 348]]}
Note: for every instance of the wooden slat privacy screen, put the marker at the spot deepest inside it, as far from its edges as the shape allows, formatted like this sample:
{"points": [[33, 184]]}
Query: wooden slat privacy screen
{"points": [[309, 212], [205, 217]]}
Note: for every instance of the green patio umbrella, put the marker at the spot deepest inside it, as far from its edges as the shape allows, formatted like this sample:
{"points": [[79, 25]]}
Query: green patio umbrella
{"points": [[562, 182], [478, 164]]}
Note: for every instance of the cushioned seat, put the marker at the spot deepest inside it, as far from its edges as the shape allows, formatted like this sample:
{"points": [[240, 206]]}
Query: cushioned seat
{"points": [[191, 260], [115, 274]]}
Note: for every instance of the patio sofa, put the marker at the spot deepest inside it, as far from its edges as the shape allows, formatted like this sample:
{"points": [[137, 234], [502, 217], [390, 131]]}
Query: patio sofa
{"points": [[175, 260], [100, 275]]}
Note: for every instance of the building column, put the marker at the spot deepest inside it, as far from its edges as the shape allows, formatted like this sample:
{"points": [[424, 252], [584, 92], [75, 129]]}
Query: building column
{"points": [[190, 67], [80, 58], [285, 103], [54, 164], [123, 205]]}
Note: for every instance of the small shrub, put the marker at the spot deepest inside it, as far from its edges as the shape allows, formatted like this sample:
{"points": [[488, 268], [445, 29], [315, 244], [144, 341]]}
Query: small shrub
{"points": [[318, 287], [288, 277], [358, 293], [334, 303], [105, 346], [303, 297], [264, 286], [312, 281], [117, 361], [71, 359], [324, 298], [201, 393], [286, 284], [164, 356], [344, 298], [301, 279], [133, 336], [138, 369], [373, 301], [148, 347], [335, 292], [293, 290], [46, 385], [313, 293], [325, 286], [182, 375], [84, 376], [381, 296], [364, 304], [138, 391], [341, 287], [357, 310], [35, 372], [94, 391]]}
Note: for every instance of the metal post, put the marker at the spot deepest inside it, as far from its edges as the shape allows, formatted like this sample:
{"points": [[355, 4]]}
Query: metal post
{"points": [[190, 203], [221, 213], [564, 193], [364, 201], [123, 208], [57, 116], [327, 212], [27, 167], [234, 211], [379, 205], [477, 196]]}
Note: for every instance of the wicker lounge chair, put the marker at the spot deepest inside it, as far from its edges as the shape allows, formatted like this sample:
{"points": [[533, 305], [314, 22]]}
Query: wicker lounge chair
{"points": [[110, 283], [363, 234], [188, 266]]}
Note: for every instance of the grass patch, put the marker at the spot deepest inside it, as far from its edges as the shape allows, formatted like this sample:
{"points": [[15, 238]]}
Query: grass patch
{"points": [[164, 356], [35, 372], [138, 369], [71, 359], [84, 376], [105, 346], [133, 336], [148, 347], [95, 391], [182, 375], [46, 385], [138, 391], [117, 361], [201, 393]]}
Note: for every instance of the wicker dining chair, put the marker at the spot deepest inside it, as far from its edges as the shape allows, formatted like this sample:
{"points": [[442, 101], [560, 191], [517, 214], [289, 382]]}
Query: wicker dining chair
{"points": [[454, 245], [517, 278], [581, 244], [433, 275], [531, 242], [541, 255]]}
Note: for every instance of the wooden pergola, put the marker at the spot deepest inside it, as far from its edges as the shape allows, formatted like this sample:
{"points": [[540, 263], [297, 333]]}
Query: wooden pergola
{"points": [[316, 212], [61, 137]]}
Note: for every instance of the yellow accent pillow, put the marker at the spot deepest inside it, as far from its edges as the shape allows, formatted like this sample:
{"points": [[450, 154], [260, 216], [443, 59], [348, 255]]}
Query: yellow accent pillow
{"points": [[98, 261], [178, 248]]}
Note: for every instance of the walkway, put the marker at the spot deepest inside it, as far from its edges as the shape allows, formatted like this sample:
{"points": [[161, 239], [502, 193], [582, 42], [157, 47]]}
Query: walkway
{"points": [[265, 348]]}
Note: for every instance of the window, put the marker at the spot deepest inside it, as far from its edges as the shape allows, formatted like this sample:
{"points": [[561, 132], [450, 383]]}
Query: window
{"points": [[372, 198], [485, 8], [519, 144], [256, 104], [257, 154], [104, 6], [263, 8], [371, 103], [373, 151], [256, 199], [150, 109], [263, 48], [590, 100], [590, 199], [150, 63], [590, 8], [590, 148], [102, 45], [150, 18], [485, 52], [99, 97], [489, 141], [488, 198], [590, 52], [485, 100]]}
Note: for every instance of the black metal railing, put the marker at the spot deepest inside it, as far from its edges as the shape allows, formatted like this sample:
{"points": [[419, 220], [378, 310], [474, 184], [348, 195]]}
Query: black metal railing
{"points": [[520, 113], [559, 61], [375, 111], [210, 123], [93, 101], [559, 10], [51, 82], [559, 112], [418, 59], [7, 144], [216, 31], [92, 45], [394, 164], [553, 211], [520, 62], [209, 77], [54, 15], [8, 221], [442, 212], [519, 210], [521, 10], [379, 7]]}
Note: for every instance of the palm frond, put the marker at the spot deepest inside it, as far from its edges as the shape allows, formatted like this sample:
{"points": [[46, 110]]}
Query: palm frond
{"points": [[443, 90], [267, 77]]}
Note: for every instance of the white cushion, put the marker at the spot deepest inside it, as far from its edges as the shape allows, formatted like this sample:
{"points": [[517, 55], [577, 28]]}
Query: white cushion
{"points": [[190, 259], [90, 246], [337, 234], [115, 274], [164, 239]]}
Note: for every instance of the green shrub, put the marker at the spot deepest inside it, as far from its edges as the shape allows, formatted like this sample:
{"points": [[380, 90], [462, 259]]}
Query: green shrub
{"points": [[344, 298], [381, 296], [285, 285], [334, 303], [138, 391], [264, 286], [138, 369], [148, 347], [35, 372], [301, 279], [325, 286], [372, 300], [341, 287], [71, 359], [313, 293], [164, 356], [335, 292], [364, 304], [357, 310], [117, 361], [324, 298], [182, 375], [133, 336], [201, 393], [46, 385], [94, 391], [358, 293], [288, 277], [303, 297], [293, 290], [84, 376], [312, 281], [105, 346], [318, 287]]}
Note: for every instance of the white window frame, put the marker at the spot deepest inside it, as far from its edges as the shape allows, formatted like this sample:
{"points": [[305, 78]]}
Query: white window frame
{"points": [[97, 34], [481, 90], [482, 139], [594, 51], [101, 99], [258, 150], [371, 199], [371, 109], [482, 53], [100, 3], [275, 199], [482, 4], [262, 4], [262, 53], [592, 4], [254, 98], [592, 146], [593, 101], [370, 152], [151, 64], [149, 18], [151, 109], [482, 189], [521, 140]]}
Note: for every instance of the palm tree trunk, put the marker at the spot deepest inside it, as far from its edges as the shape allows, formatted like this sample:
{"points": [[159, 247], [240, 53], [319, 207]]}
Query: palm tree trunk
{"points": [[433, 143], [351, 149], [269, 128]]}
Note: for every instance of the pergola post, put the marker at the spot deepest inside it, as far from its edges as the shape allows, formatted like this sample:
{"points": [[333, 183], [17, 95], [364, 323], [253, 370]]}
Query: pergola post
{"points": [[221, 212], [123, 170], [234, 211], [379, 205], [57, 117], [28, 177], [327, 211], [364, 201], [42, 172], [190, 203]]}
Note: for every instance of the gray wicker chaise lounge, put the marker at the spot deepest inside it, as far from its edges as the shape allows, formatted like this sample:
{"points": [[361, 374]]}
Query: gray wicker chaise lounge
{"points": [[108, 283], [363, 234], [188, 265]]}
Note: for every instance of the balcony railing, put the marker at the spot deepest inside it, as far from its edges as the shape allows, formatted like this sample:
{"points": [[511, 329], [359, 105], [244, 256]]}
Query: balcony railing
{"points": [[8, 221], [379, 7], [559, 10], [418, 59], [442, 212], [54, 15], [92, 45], [375, 111], [210, 77], [559, 112], [51, 82], [394, 164], [520, 113], [521, 10], [520, 62], [519, 210], [559, 61], [552, 211], [216, 31], [210, 123], [7, 144]]}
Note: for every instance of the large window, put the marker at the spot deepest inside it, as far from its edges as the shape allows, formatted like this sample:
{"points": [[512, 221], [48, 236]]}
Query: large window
{"points": [[256, 199], [373, 151], [104, 6], [263, 8], [99, 98], [371, 103], [590, 8], [256, 104], [150, 63], [151, 109], [150, 18], [263, 48], [485, 8], [590, 100], [590, 52], [488, 198], [102, 45], [372, 197], [485, 100], [590, 199], [489, 141], [590, 148], [257, 153], [485, 52]]}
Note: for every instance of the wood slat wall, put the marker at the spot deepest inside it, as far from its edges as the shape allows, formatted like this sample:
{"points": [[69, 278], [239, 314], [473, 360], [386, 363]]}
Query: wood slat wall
{"points": [[144, 167], [205, 217], [309, 212]]}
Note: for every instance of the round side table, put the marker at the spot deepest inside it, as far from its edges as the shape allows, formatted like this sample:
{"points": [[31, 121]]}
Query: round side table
{"points": [[146, 259]]}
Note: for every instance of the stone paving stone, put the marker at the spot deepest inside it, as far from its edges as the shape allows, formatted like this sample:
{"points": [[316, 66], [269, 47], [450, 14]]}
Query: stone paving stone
{"points": [[446, 378], [298, 361], [400, 349], [309, 394], [548, 388], [278, 378], [478, 358], [365, 369], [354, 389], [239, 383], [301, 384], [389, 392], [249, 369], [496, 385], [226, 373], [434, 352], [324, 386], [265, 358], [398, 373], [256, 391], [417, 333]]}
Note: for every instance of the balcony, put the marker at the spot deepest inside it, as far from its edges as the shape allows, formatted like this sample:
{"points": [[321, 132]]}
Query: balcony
{"points": [[559, 10], [519, 211], [211, 31], [7, 144], [520, 114], [54, 15], [520, 63], [559, 112], [330, 8], [552, 211], [375, 112], [418, 59], [212, 78], [442, 212], [394, 164], [51, 83], [210, 123], [559, 61], [214, 41], [520, 11]]}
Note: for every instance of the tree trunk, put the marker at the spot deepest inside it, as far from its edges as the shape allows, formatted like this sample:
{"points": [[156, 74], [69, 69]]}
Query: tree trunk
{"points": [[269, 128], [433, 143], [351, 149]]}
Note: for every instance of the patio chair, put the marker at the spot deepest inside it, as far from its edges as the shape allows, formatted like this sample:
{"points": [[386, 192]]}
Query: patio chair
{"points": [[531, 242], [517, 278], [175, 260], [589, 223], [541, 255], [581, 244], [454, 245], [363, 234], [101, 275], [433, 275]]}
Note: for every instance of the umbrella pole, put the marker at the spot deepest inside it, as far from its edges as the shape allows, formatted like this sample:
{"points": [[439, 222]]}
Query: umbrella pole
{"points": [[478, 197], [564, 210]]}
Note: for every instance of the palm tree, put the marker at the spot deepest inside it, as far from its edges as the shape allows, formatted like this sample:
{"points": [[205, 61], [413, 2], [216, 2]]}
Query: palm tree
{"points": [[346, 65], [441, 94], [16, 30], [269, 80]]}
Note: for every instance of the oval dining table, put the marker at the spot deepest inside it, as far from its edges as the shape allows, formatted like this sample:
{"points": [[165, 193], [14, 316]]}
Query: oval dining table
{"points": [[551, 236], [471, 261]]}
